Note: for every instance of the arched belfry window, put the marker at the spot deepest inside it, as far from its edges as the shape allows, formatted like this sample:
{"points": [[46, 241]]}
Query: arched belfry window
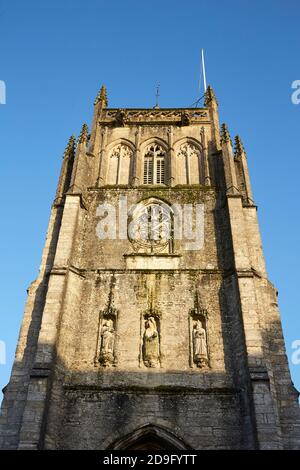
{"points": [[154, 164]]}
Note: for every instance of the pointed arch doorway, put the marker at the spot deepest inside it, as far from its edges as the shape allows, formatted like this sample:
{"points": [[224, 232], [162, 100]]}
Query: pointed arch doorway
{"points": [[149, 438]]}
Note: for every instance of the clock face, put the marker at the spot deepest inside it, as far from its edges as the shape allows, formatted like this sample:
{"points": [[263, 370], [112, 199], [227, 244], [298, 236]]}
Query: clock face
{"points": [[150, 227]]}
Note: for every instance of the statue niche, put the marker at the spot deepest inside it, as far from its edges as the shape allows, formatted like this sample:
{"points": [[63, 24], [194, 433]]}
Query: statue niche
{"points": [[199, 351], [151, 351], [106, 356], [200, 356], [106, 343]]}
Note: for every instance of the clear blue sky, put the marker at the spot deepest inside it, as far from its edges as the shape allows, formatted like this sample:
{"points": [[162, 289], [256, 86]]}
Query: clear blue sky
{"points": [[56, 54]]}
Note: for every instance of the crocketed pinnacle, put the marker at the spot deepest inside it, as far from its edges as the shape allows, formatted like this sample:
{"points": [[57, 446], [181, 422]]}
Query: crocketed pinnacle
{"points": [[225, 136], [102, 97], [84, 134], [209, 96], [238, 146], [70, 148]]}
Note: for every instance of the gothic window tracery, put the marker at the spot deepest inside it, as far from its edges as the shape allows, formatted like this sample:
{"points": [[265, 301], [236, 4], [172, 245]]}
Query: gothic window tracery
{"points": [[119, 164], [189, 163], [151, 227]]}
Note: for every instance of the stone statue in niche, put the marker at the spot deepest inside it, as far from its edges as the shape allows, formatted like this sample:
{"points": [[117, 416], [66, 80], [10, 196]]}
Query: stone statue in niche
{"points": [[151, 343], [107, 342], [199, 345]]}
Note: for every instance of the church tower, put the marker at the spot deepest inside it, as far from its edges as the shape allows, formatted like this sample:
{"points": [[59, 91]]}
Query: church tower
{"points": [[152, 323]]}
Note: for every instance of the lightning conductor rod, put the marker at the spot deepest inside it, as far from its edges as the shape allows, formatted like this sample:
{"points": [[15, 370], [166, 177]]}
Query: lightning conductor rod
{"points": [[203, 69]]}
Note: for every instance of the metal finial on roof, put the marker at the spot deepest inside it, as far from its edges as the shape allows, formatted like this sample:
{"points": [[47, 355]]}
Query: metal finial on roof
{"points": [[157, 95]]}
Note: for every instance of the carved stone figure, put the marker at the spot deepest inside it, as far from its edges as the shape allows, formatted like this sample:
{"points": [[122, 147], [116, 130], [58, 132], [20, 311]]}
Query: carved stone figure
{"points": [[121, 118], [185, 119], [200, 345], [151, 343], [107, 343]]}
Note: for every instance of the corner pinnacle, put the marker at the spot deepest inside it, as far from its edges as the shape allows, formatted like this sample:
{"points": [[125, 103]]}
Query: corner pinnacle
{"points": [[102, 97], [70, 148], [84, 134], [209, 96], [239, 148], [225, 136]]}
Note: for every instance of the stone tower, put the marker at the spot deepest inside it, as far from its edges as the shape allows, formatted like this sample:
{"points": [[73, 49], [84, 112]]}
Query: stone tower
{"points": [[152, 323]]}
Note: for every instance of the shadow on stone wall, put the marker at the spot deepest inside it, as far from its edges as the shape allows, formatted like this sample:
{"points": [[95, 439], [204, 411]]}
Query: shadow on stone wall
{"points": [[15, 393]]}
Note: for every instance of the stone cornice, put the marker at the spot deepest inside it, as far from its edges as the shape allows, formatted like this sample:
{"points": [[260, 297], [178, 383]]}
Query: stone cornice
{"points": [[63, 270], [84, 272], [167, 389]]}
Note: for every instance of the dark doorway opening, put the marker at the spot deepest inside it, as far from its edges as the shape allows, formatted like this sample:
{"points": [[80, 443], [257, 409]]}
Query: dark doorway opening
{"points": [[149, 438]]}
